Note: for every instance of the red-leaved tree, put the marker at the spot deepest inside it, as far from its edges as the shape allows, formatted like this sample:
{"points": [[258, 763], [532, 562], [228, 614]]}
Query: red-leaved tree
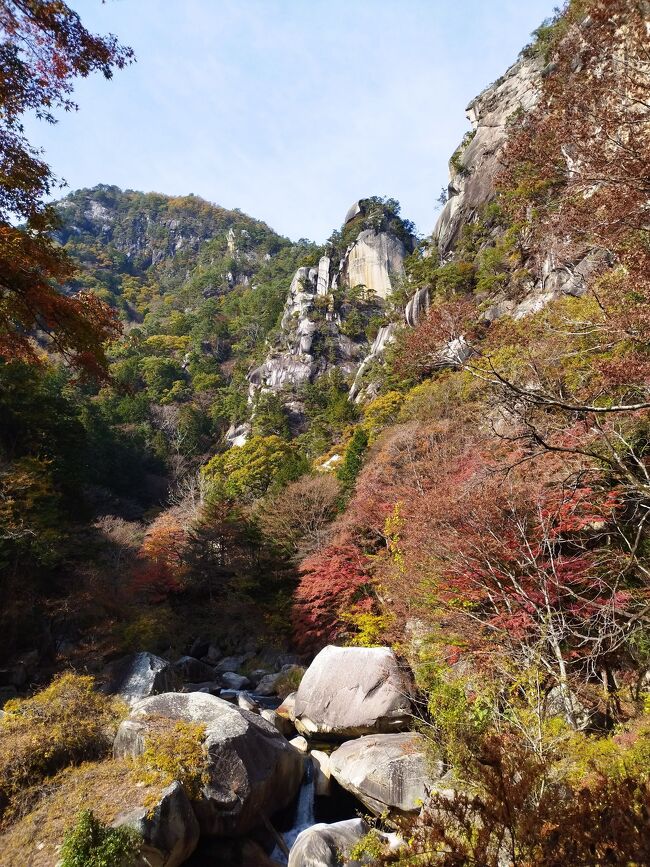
{"points": [[333, 581]]}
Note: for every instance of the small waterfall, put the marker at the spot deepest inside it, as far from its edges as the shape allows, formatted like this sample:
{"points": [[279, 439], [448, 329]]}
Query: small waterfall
{"points": [[304, 817]]}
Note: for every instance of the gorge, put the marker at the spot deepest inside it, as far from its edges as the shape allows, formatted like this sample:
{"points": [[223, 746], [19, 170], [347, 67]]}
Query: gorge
{"points": [[339, 555]]}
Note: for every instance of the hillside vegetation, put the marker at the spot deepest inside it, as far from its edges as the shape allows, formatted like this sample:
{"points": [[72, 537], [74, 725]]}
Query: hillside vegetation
{"points": [[477, 497]]}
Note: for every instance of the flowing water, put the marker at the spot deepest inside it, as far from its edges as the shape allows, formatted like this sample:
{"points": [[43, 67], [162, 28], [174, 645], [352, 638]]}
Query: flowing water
{"points": [[304, 817]]}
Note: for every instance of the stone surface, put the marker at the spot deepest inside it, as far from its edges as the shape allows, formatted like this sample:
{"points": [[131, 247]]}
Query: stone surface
{"points": [[417, 307], [253, 770], [375, 260], [300, 743], [267, 685], [288, 707], [385, 336], [322, 772], [386, 772], [138, 676], [232, 663], [283, 725], [473, 185], [193, 670], [169, 829], [322, 845], [246, 701], [351, 691], [234, 681]]}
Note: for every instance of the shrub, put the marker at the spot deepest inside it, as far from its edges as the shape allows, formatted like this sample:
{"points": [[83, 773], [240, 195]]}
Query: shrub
{"points": [[174, 752], [64, 724], [91, 843]]}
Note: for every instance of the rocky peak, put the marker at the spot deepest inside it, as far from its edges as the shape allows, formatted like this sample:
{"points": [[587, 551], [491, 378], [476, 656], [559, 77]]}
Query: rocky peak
{"points": [[351, 282], [475, 163]]}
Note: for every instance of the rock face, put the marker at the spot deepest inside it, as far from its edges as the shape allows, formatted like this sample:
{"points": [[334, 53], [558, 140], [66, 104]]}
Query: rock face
{"points": [[170, 830], [476, 165], [386, 772], [140, 675], [374, 260], [417, 307], [350, 691], [384, 338], [253, 770], [323, 845]]}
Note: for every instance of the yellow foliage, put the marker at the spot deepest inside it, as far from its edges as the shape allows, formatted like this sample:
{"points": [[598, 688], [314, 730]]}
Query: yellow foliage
{"points": [[67, 722], [174, 751]]}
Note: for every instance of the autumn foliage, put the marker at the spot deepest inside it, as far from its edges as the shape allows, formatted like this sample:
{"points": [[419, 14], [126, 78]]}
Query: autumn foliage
{"points": [[333, 581]]}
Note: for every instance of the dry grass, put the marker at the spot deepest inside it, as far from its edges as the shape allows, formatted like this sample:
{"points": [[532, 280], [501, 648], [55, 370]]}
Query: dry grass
{"points": [[108, 788]]}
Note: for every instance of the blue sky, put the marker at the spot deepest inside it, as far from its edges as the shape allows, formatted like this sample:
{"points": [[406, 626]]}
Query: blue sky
{"points": [[287, 109]]}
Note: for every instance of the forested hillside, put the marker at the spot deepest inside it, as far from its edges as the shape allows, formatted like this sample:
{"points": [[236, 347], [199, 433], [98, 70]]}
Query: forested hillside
{"points": [[434, 449]]}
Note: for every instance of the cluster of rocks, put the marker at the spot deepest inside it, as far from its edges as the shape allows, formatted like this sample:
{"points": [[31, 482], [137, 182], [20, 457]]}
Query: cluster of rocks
{"points": [[353, 703], [141, 675]]}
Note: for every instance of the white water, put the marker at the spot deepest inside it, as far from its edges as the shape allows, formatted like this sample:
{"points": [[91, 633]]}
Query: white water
{"points": [[304, 817]]}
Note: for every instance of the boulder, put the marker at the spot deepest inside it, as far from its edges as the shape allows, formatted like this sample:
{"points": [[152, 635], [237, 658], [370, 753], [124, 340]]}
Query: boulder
{"points": [[287, 709], [246, 701], [322, 772], [193, 670], [283, 725], [212, 656], [288, 659], [300, 744], [234, 681], [267, 685], [253, 770], [386, 772], [199, 647], [352, 691], [139, 676], [326, 845], [170, 830], [210, 686], [231, 663]]}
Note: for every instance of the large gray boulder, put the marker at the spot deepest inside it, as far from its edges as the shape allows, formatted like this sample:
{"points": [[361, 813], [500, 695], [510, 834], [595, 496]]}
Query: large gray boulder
{"points": [[327, 845], [386, 772], [169, 830], [253, 770], [139, 676], [352, 691]]}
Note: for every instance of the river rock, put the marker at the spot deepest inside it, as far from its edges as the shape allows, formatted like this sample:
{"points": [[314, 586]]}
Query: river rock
{"points": [[253, 770], [234, 681], [386, 772], [170, 830], [322, 772], [232, 663], [282, 724], [139, 676], [351, 691], [267, 685], [288, 707], [193, 670], [323, 845]]}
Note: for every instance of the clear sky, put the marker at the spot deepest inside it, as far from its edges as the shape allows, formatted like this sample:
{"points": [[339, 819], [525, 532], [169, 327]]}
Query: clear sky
{"points": [[287, 109]]}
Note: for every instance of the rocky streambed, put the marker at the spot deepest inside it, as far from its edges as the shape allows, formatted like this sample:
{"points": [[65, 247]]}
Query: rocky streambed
{"points": [[287, 782]]}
